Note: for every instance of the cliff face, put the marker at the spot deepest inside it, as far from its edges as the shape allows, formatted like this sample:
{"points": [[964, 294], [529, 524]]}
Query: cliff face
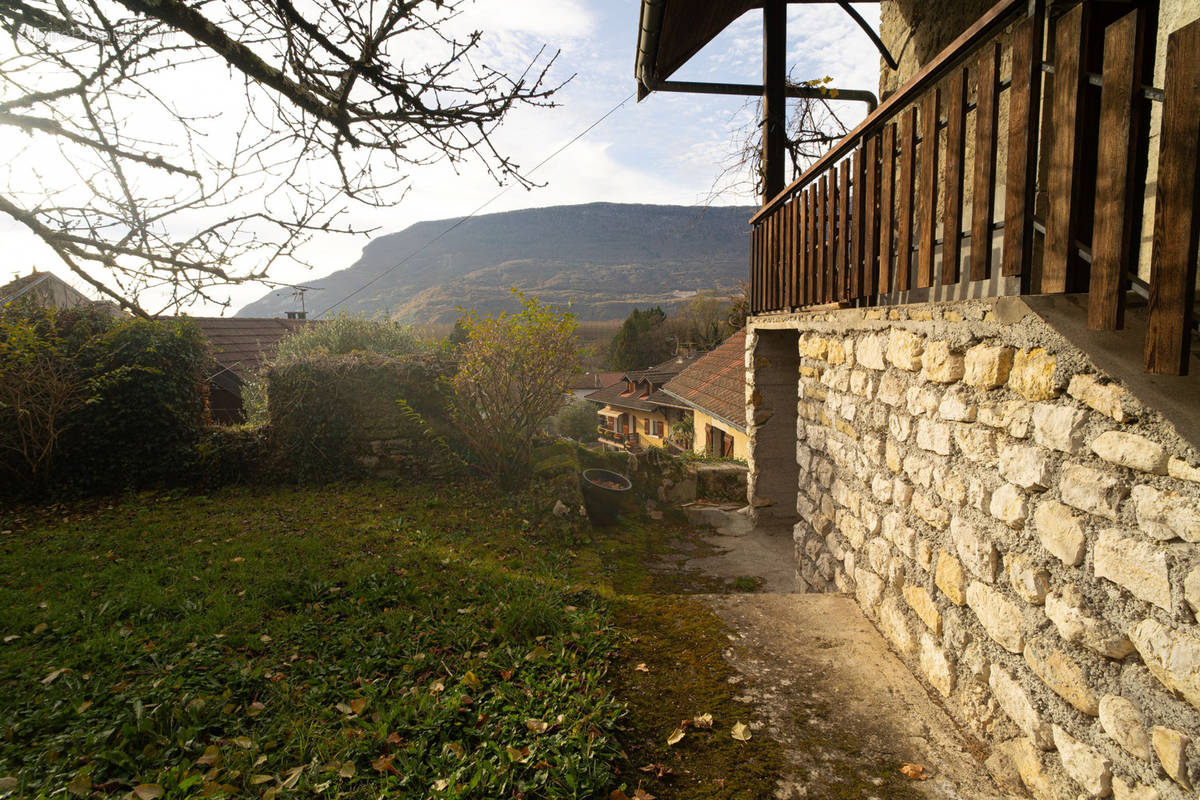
{"points": [[603, 258]]}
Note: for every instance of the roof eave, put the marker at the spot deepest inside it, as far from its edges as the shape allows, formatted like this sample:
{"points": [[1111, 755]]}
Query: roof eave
{"points": [[739, 427]]}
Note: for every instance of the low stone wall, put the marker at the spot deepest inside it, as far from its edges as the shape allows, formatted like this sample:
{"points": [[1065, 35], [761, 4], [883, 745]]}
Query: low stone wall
{"points": [[1021, 529]]}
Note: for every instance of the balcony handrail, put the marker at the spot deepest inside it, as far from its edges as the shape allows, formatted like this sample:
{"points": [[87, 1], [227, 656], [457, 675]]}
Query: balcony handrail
{"points": [[997, 16]]}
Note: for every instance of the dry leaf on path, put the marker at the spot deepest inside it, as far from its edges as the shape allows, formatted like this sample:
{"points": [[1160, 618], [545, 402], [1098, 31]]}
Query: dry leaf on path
{"points": [[148, 791], [641, 668], [914, 772], [676, 736], [704, 721], [740, 731]]}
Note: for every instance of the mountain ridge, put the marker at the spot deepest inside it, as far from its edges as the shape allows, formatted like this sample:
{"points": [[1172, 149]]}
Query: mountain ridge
{"points": [[604, 259]]}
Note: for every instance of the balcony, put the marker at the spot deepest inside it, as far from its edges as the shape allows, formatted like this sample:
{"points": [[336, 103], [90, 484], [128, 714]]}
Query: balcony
{"points": [[1049, 199]]}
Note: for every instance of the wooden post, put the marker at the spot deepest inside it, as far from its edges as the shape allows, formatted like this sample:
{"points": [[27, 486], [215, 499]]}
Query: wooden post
{"points": [[1176, 210], [956, 142], [929, 186], [908, 147], [987, 79], [1023, 111], [774, 102], [1120, 126]]}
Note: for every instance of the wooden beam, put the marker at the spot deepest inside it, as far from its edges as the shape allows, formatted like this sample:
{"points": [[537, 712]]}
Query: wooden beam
{"points": [[987, 95], [887, 174], [929, 186], [1176, 210], [956, 149], [1120, 126], [774, 124], [870, 217], [843, 237], [908, 149]]}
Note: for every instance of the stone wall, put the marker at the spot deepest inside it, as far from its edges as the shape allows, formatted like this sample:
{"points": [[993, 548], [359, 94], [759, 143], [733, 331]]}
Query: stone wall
{"points": [[1022, 530]]}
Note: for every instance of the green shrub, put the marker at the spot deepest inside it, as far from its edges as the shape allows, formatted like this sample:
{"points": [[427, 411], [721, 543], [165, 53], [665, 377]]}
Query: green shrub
{"points": [[326, 411], [577, 420], [232, 454], [347, 334]]}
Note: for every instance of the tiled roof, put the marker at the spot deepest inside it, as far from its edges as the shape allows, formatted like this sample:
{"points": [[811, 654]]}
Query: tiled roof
{"points": [[242, 344], [614, 393], [661, 373], [716, 383], [594, 380]]}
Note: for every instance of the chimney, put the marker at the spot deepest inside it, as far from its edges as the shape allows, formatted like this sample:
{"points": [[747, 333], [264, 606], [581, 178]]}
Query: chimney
{"points": [[297, 315]]}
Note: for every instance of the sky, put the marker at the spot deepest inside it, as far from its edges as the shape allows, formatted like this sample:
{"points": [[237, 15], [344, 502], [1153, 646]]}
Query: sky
{"points": [[669, 148]]}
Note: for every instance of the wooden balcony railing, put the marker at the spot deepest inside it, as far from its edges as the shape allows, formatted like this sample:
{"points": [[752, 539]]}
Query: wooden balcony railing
{"points": [[891, 209]]}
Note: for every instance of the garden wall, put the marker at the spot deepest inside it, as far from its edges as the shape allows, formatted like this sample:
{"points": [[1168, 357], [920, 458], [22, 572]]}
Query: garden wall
{"points": [[1023, 531]]}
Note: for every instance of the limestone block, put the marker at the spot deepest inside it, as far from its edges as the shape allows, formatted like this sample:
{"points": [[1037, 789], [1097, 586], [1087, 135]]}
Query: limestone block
{"points": [[918, 600], [868, 589], [896, 626], [902, 492], [1032, 375], [1180, 470], [1013, 416], [1027, 467], [1023, 755], [937, 517], [1137, 566], [1060, 532], [851, 528], [1103, 397], [904, 350], [979, 495], [891, 390], [937, 668], [1027, 579], [1009, 505], [813, 346], [1171, 748], [1091, 490], [924, 556], [976, 443], [900, 426], [949, 486], [933, 436], [870, 351], [1166, 515], [869, 517], [1133, 791], [892, 456], [1059, 427], [978, 553], [999, 616], [837, 352], [881, 489], [922, 401], [1016, 703], [1131, 450], [987, 367], [1087, 767], [1124, 724], [920, 469], [957, 407], [1191, 590], [1063, 675], [1173, 657], [879, 554], [862, 383], [949, 578], [1067, 611], [940, 364]]}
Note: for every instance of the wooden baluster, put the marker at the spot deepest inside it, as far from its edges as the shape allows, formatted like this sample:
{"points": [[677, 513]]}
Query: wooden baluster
{"points": [[908, 148], [929, 186], [956, 141], [856, 225], [831, 236], [1120, 126], [1063, 181], [1176, 215], [987, 95], [1023, 111], [886, 211], [822, 234], [843, 238], [870, 285]]}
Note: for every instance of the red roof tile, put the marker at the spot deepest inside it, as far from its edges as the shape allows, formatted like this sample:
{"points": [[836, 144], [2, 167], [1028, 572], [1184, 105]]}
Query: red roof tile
{"points": [[716, 383], [242, 344]]}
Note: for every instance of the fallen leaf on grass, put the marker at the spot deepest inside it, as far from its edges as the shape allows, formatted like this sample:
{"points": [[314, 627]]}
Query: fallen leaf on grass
{"points": [[517, 755], [80, 785], [440, 784], [536, 725], [641, 668], [384, 764], [914, 772], [243, 742], [704, 721], [617, 794], [740, 731], [471, 680], [12, 637], [82, 707], [657, 770], [148, 791], [676, 736], [346, 770], [358, 704], [52, 677], [255, 780], [211, 757], [293, 777], [437, 686], [642, 794]]}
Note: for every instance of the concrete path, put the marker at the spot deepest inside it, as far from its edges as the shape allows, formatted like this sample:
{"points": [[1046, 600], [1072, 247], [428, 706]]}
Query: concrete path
{"points": [[823, 682]]}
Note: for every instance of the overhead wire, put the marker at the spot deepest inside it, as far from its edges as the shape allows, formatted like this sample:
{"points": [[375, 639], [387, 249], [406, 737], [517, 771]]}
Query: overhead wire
{"points": [[479, 208]]}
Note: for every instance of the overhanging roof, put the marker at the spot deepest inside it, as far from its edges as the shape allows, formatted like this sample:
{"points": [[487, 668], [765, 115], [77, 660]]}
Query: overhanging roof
{"points": [[672, 31]]}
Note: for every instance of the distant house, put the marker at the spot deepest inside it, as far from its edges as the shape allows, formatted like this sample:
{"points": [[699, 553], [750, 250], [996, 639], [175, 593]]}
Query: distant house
{"points": [[47, 290], [714, 388], [240, 347], [636, 413], [584, 384]]}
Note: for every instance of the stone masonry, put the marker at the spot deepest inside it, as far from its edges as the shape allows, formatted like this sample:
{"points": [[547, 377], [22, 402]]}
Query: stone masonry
{"points": [[1020, 528]]}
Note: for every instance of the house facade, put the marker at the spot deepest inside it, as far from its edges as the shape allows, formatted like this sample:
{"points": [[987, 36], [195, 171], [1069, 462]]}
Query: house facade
{"points": [[714, 388], [636, 414], [970, 381]]}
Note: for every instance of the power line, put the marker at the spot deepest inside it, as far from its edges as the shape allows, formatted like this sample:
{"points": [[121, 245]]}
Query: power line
{"points": [[481, 207]]}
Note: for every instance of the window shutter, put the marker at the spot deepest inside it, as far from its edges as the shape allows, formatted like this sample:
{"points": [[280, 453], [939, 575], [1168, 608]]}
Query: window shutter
{"points": [[728, 445]]}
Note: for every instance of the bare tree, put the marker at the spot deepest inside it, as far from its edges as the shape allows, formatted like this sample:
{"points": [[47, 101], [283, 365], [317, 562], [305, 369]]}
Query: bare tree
{"points": [[812, 127], [149, 188]]}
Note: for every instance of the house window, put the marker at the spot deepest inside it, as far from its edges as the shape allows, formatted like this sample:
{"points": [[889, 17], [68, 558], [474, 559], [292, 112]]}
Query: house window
{"points": [[646, 427], [656, 428], [717, 442]]}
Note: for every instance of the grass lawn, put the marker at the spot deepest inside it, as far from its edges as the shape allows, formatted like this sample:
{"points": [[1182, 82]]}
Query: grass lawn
{"points": [[360, 641]]}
